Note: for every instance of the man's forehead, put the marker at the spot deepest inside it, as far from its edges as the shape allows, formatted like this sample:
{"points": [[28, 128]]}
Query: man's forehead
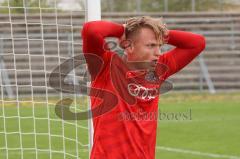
{"points": [[148, 35], [146, 31], [150, 40]]}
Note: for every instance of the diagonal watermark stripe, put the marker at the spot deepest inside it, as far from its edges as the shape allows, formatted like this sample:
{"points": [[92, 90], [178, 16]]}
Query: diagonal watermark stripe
{"points": [[196, 153]]}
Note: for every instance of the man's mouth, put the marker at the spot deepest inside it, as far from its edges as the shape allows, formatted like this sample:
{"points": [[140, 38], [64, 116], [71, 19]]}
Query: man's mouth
{"points": [[153, 65]]}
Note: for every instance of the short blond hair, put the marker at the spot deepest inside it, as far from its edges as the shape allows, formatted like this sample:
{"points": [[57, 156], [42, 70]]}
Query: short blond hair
{"points": [[134, 25]]}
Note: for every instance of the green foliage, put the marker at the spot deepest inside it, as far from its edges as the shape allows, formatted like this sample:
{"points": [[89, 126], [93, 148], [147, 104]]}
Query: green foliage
{"points": [[19, 5]]}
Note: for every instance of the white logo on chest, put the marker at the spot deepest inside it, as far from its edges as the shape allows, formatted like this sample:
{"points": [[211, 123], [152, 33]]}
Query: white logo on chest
{"points": [[142, 92]]}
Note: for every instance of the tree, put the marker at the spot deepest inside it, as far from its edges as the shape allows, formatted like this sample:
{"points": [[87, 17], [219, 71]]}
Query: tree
{"points": [[22, 4]]}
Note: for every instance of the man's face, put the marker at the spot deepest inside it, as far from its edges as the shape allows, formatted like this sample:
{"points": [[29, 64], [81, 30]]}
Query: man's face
{"points": [[145, 47]]}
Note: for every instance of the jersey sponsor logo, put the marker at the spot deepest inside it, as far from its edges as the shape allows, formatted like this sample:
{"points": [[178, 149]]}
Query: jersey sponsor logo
{"points": [[142, 92]]}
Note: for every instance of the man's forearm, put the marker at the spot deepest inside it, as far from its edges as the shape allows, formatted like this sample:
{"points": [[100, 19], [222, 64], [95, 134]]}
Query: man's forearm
{"points": [[185, 40], [188, 46]]}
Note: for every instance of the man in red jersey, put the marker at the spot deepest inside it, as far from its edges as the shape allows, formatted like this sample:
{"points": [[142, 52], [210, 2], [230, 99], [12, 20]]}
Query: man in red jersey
{"points": [[125, 90]]}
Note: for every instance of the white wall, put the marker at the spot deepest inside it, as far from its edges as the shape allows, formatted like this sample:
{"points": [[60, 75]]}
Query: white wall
{"points": [[69, 5]]}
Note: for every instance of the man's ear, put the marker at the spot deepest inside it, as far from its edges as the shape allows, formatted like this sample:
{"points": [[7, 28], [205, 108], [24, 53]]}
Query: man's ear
{"points": [[129, 49], [128, 45]]}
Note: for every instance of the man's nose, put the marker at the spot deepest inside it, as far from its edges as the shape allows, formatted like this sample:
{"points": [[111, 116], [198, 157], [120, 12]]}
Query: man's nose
{"points": [[157, 52]]}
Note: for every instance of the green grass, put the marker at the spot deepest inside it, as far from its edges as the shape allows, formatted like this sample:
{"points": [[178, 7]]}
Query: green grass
{"points": [[40, 135], [212, 128]]}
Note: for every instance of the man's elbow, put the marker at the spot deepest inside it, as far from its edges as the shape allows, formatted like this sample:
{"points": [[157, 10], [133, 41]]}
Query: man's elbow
{"points": [[201, 43], [88, 28]]}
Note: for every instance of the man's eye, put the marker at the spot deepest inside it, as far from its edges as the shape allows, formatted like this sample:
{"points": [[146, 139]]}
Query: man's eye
{"points": [[151, 45]]}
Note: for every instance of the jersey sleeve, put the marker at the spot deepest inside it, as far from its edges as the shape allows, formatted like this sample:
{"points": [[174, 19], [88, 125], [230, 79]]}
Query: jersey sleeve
{"points": [[188, 45], [94, 32], [93, 36]]}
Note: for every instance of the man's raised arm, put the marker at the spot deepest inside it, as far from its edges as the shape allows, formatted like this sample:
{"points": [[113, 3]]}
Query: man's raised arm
{"points": [[94, 32], [187, 46]]}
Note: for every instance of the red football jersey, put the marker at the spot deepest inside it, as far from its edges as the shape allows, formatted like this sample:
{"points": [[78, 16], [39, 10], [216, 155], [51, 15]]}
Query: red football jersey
{"points": [[124, 104]]}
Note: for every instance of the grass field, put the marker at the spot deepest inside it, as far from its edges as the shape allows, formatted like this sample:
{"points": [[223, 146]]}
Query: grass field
{"points": [[211, 129]]}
